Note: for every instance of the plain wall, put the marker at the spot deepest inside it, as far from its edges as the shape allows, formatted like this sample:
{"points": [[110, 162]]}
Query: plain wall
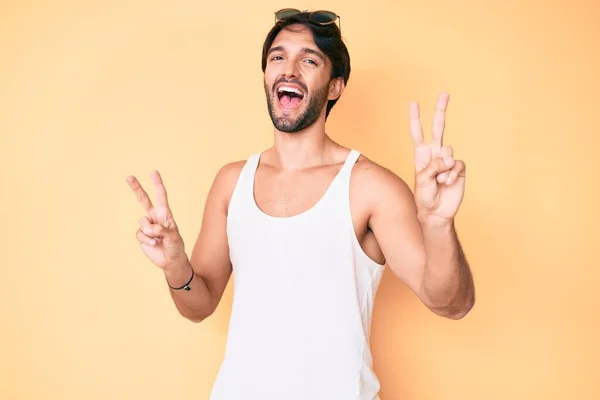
{"points": [[93, 91]]}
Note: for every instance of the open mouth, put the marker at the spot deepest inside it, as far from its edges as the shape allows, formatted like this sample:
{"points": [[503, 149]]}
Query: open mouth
{"points": [[289, 97]]}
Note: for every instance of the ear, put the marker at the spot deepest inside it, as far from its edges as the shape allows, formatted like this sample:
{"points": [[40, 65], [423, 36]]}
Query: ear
{"points": [[336, 88]]}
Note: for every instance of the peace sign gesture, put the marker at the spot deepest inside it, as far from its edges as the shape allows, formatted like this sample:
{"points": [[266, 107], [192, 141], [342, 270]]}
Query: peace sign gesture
{"points": [[439, 178], [158, 235]]}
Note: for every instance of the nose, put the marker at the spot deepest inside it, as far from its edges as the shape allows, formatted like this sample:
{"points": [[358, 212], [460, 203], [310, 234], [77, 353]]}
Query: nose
{"points": [[290, 70]]}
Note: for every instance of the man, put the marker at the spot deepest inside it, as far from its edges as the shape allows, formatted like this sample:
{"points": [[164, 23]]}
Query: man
{"points": [[306, 227]]}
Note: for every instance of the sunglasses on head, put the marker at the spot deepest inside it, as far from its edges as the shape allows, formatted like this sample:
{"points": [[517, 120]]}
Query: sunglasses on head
{"points": [[320, 17]]}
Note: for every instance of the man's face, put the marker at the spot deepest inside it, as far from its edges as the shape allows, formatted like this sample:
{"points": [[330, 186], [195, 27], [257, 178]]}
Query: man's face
{"points": [[297, 79]]}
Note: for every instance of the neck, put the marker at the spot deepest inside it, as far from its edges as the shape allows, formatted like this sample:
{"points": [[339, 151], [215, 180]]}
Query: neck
{"points": [[302, 149]]}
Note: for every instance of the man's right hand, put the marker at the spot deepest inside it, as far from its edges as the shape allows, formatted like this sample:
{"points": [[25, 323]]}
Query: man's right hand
{"points": [[158, 235]]}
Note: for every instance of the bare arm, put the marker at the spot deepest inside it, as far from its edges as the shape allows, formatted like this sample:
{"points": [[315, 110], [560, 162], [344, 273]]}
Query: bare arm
{"points": [[427, 257], [210, 255], [447, 279], [209, 264], [416, 232]]}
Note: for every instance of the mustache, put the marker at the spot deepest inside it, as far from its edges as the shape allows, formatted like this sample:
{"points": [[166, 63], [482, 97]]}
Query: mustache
{"points": [[292, 81]]}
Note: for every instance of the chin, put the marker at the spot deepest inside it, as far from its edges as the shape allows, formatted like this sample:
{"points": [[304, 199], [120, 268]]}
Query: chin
{"points": [[289, 121], [285, 125]]}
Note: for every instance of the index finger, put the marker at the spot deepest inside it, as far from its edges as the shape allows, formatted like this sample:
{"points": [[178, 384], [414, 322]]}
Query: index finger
{"points": [[439, 120], [161, 192], [416, 129], [140, 193]]}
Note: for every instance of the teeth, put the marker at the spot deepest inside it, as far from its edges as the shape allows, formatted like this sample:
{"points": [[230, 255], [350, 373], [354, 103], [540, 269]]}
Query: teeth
{"points": [[290, 89]]}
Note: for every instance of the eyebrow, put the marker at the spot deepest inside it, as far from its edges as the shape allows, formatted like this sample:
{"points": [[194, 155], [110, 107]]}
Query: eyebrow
{"points": [[306, 50]]}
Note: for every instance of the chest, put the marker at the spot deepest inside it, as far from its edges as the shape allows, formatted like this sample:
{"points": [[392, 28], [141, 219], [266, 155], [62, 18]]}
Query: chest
{"points": [[289, 194], [286, 194]]}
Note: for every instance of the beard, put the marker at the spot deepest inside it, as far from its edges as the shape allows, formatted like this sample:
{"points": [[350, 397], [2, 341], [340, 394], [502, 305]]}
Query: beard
{"points": [[286, 123]]}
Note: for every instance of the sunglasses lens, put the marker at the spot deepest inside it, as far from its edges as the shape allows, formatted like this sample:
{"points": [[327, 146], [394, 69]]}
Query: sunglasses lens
{"points": [[286, 13], [324, 17]]}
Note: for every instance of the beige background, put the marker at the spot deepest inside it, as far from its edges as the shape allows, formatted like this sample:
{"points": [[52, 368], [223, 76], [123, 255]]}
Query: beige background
{"points": [[93, 91]]}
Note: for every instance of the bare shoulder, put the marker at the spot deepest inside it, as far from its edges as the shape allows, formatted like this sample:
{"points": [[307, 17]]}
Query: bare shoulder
{"points": [[378, 182], [229, 173], [379, 194], [226, 179]]}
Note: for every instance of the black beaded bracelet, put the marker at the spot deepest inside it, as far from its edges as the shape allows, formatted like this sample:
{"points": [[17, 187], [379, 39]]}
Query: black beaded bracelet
{"points": [[186, 286]]}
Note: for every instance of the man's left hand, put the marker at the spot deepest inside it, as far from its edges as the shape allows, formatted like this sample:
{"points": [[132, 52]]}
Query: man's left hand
{"points": [[439, 178]]}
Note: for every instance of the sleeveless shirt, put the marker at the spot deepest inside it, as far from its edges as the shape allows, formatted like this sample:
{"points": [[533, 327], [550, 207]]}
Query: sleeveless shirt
{"points": [[303, 292]]}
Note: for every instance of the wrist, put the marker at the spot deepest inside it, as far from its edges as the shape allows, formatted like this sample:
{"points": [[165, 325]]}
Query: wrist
{"points": [[428, 222], [178, 273], [176, 265]]}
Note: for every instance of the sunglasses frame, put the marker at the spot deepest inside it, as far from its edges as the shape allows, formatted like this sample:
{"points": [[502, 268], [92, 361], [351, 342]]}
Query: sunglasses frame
{"points": [[296, 11]]}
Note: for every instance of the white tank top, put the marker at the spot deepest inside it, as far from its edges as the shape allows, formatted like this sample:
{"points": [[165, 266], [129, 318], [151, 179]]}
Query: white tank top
{"points": [[303, 292]]}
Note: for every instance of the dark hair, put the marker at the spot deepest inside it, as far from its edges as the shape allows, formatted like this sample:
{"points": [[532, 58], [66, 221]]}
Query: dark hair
{"points": [[328, 39]]}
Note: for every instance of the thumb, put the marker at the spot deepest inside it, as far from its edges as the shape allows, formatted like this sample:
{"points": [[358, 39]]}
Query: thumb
{"points": [[168, 232], [433, 169]]}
